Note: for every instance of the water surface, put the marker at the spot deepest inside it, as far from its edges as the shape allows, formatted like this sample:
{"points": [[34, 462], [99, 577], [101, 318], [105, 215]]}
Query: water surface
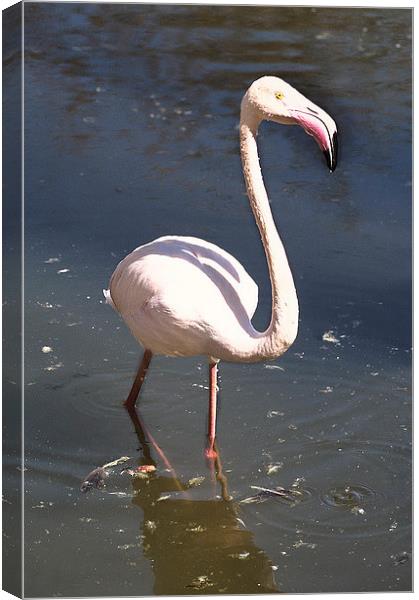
{"points": [[131, 117]]}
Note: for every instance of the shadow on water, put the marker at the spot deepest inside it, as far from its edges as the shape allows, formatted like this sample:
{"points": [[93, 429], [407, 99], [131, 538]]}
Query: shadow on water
{"points": [[196, 545]]}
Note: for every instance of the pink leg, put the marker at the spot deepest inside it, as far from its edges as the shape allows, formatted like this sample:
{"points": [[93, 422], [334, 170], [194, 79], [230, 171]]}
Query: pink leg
{"points": [[210, 451], [139, 380]]}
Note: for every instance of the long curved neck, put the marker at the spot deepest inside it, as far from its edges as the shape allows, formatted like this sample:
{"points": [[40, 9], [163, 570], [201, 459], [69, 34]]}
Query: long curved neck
{"points": [[284, 320]]}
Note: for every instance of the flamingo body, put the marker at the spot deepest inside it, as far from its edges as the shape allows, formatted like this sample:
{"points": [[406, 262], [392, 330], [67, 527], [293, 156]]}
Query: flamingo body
{"points": [[183, 296]]}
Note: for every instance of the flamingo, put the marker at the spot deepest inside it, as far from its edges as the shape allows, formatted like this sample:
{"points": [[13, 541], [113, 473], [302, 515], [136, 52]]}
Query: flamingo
{"points": [[184, 296]]}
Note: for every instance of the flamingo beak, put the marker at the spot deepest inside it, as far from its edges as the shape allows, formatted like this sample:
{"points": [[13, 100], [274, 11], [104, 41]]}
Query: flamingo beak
{"points": [[319, 125]]}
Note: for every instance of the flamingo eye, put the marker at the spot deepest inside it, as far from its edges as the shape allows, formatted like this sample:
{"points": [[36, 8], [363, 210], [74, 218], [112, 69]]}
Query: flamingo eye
{"points": [[279, 95]]}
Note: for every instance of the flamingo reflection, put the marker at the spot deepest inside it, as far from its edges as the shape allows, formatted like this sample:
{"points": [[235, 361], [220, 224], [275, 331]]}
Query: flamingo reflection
{"points": [[195, 546]]}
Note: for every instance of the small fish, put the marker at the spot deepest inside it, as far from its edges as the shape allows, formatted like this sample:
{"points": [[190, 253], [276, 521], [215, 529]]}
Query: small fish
{"points": [[95, 478]]}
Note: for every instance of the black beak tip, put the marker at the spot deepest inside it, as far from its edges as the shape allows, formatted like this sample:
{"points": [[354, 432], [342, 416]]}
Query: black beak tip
{"points": [[330, 162], [332, 155]]}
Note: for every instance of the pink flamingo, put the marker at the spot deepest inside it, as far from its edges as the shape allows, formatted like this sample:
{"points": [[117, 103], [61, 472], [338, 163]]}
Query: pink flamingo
{"points": [[183, 296]]}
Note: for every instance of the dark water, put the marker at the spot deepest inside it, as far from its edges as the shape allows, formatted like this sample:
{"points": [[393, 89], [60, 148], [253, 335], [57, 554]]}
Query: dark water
{"points": [[131, 117]]}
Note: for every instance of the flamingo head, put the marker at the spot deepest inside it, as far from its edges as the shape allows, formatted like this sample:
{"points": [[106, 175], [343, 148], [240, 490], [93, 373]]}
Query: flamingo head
{"points": [[273, 99]]}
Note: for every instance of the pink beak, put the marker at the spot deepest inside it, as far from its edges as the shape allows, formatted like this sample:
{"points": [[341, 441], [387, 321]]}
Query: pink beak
{"points": [[314, 125]]}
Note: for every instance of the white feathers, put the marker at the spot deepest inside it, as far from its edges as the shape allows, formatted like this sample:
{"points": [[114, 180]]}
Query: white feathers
{"points": [[184, 296]]}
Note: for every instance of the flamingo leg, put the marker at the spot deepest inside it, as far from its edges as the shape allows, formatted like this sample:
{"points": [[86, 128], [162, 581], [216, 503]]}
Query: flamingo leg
{"points": [[143, 434], [210, 451], [139, 380]]}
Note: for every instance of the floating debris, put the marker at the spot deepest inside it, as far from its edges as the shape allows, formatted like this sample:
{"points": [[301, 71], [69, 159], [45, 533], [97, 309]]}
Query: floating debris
{"points": [[165, 497], [43, 504], [54, 367], [330, 337], [278, 492], [140, 472], [253, 499], [63, 271], [46, 349], [274, 413], [327, 390], [400, 559], [196, 529], [95, 478], [195, 481], [200, 385], [240, 555], [48, 305], [201, 582], [274, 468], [146, 469], [393, 526], [301, 544], [298, 481], [127, 546], [54, 259], [274, 367], [356, 510], [135, 475], [150, 525], [116, 462]]}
